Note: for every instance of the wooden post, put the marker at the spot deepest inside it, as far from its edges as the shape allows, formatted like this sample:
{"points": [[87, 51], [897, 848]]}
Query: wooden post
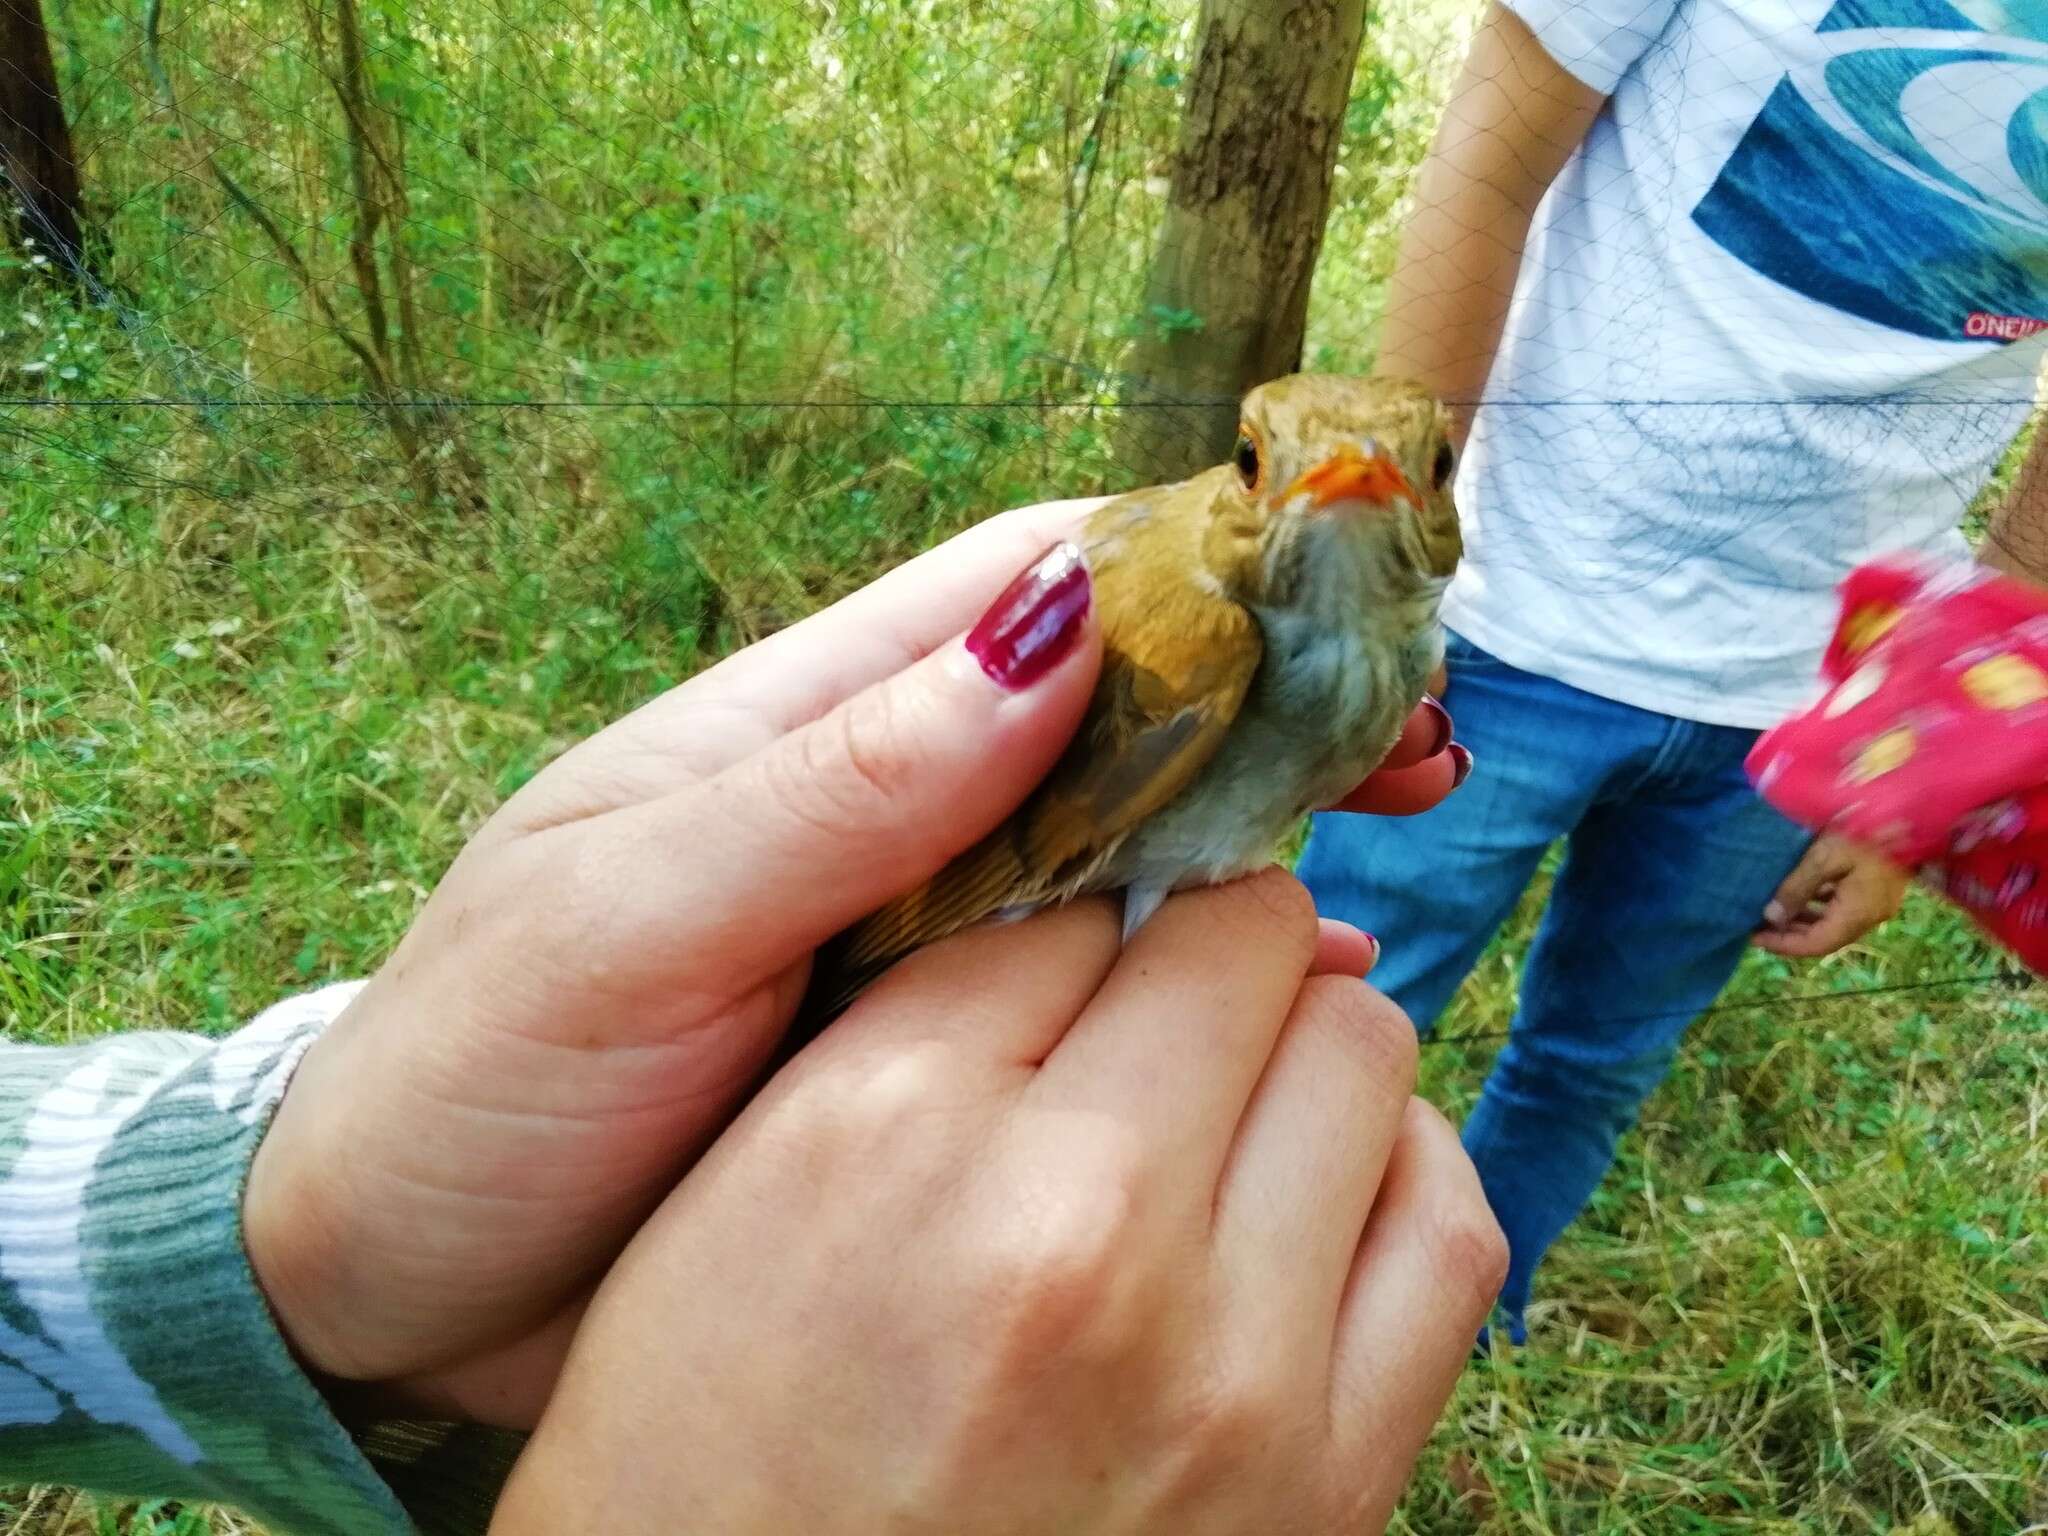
{"points": [[39, 198], [1227, 301]]}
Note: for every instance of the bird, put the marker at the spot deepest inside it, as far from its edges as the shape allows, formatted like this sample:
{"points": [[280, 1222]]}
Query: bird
{"points": [[1268, 624]]}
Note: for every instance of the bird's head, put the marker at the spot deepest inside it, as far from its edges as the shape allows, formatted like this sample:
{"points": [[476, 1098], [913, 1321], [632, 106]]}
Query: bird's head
{"points": [[1345, 482]]}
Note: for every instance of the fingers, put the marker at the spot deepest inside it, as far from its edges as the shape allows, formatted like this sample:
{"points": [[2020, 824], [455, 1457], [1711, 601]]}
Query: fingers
{"points": [[760, 865], [1837, 892], [1408, 791], [1309, 1157], [1011, 990], [1342, 950], [1426, 733], [1423, 767], [1014, 989], [1810, 938], [1823, 862], [1427, 1273], [1859, 902], [761, 693], [506, 1387], [1177, 1037]]}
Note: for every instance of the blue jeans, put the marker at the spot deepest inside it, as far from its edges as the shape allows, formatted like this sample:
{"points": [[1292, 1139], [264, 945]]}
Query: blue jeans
{"points": [[1670, 861]]}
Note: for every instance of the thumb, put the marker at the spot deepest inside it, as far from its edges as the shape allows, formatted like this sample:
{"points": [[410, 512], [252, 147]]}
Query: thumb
{"points": [[770, 858]]}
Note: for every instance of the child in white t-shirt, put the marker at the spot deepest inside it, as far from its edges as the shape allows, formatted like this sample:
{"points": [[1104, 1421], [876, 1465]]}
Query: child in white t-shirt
{"points": [[1777, 312]]}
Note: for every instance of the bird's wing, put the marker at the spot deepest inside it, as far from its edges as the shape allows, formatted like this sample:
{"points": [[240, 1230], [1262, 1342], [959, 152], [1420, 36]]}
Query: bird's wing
{"points": [[1172, 682], [1178, 657]]}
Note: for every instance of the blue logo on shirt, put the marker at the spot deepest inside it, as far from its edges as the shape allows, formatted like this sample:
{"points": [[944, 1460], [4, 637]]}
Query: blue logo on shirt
{"points": [[1899, 171]]}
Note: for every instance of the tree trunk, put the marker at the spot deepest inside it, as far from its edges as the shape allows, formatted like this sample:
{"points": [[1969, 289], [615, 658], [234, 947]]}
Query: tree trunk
{"points": [[39, 198], [1227, 301]]}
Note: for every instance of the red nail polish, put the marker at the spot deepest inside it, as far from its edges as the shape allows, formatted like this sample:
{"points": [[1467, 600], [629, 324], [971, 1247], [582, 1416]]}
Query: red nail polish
{"points": [[1375, 960], [1031, 627], [1461, 764], [1441, 719]]}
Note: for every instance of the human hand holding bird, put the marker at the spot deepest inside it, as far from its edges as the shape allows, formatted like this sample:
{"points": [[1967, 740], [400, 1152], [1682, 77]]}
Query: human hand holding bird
{"points": [[609, 965]]}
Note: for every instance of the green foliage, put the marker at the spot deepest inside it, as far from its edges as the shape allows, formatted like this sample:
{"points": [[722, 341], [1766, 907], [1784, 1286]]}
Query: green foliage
{"points": [[712, 310], [155, 1518], [1809, 1297]]}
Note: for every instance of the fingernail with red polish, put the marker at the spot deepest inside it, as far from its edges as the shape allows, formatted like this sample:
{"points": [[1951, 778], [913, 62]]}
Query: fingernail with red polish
{"points": [[1441, 719], [1375, 957], [1030, 629], [1461, 764]]}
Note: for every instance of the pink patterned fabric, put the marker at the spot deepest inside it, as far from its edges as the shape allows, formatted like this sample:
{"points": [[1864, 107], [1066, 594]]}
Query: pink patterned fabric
{"points": [[1931, 741]]}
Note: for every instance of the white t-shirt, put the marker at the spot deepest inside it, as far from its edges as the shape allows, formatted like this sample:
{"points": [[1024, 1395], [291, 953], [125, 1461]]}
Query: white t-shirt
{"points": [[1777, 315]]}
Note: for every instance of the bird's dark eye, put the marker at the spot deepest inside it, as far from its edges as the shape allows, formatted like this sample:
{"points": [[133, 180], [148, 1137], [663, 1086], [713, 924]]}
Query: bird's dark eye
{"points": [[1247, 460], [1440, 471]]}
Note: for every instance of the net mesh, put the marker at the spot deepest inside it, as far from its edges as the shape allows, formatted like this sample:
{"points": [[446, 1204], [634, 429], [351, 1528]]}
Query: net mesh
{"points": [[448, 378]]}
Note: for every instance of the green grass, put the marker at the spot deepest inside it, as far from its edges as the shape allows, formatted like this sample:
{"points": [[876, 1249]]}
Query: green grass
{"points": [[259, 679], [1810, 1296]]}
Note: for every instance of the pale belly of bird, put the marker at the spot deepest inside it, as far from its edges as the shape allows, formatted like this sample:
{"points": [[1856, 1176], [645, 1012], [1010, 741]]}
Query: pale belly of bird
{"points": [[1291, 752]]}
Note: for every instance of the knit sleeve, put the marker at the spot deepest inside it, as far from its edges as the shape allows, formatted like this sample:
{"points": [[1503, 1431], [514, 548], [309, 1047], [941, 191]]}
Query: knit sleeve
{"points": [[137, 1354]]}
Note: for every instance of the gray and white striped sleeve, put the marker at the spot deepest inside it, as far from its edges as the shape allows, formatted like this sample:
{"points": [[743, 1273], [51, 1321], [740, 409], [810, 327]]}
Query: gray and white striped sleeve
{"points": [[137, 1354]]}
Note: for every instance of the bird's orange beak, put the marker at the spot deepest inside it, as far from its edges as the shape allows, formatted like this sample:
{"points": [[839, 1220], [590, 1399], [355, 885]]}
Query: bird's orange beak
{"points": [[1350, 475]]}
